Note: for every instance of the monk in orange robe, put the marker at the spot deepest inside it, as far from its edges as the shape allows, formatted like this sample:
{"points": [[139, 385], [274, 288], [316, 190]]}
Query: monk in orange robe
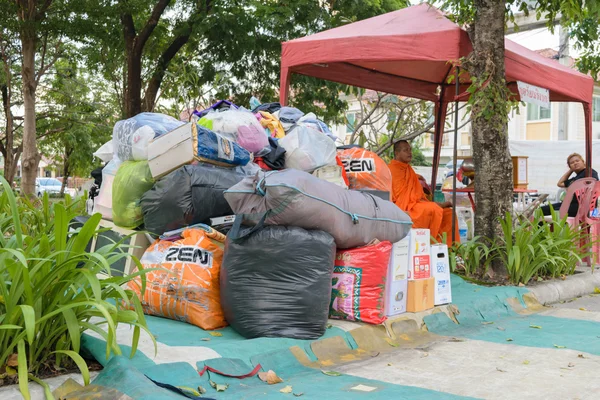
{"points": [[408, 194]]}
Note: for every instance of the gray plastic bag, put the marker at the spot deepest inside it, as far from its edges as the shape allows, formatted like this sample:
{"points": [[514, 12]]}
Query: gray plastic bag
{"points": [[190, 195], [276, 281], [295, 198]]}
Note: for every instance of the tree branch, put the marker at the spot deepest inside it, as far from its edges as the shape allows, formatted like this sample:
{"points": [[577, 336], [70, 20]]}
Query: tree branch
{"points": [[161, 68], [144, 35]]}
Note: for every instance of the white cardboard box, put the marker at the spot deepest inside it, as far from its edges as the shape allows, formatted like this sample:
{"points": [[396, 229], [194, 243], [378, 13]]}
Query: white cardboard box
{"points": [[395, 297], [396, 282], [398, 269], [441, 272], [419, 254], [172, 150]]}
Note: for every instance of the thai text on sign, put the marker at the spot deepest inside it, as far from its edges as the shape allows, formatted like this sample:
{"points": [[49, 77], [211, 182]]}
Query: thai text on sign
{"points": [[533, 94]]}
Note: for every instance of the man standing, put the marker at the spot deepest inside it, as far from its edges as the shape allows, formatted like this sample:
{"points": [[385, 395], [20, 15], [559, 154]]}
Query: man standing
{"points": [[408, 194]]}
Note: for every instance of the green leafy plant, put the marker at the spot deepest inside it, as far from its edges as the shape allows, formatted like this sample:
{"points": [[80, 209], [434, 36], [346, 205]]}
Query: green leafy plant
{"points": [[472, 257], [49, 290], [528, 248], [540, 248]]}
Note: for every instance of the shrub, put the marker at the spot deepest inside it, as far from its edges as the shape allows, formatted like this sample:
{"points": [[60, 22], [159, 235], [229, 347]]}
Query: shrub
{"points": [[528, 249], [49, 289]]}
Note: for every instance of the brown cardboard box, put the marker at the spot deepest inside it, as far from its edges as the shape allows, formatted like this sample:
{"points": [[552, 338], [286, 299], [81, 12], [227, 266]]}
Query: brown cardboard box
{"points": [[420, 294]]}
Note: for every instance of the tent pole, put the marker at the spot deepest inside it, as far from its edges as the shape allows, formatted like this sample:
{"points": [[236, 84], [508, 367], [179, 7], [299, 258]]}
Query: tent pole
{"points": [[455, 155]]}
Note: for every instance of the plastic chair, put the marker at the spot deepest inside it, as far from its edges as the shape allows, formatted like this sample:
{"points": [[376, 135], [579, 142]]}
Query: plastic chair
{"points": [[586, 191], [592, 220]]}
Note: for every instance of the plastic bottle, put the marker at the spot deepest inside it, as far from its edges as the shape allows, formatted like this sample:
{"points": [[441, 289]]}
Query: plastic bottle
{"points": [[463, 228]]}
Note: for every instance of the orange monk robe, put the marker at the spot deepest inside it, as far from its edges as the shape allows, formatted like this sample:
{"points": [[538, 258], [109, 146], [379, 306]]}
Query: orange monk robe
{"points": [[408, 195]]}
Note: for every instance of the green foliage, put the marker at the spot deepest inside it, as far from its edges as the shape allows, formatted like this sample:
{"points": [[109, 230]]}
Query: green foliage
{"points": [[49, 290], [580, 18], [528, 249], [81, 119], [233, 51], [472, 258]]}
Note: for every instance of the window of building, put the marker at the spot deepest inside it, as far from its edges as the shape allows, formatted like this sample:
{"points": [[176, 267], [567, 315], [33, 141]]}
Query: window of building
{"points": [[596, 109], [350, 122], [465, 139], [537, 113]]}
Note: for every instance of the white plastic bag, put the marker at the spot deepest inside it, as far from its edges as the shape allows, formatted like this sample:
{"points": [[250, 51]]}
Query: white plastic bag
{"points": [[105, 152], [103, 202], [131, 136], [307, 149]]}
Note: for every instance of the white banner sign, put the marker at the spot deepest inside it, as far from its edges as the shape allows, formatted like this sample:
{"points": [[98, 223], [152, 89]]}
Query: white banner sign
{"points": [[533, 94]]}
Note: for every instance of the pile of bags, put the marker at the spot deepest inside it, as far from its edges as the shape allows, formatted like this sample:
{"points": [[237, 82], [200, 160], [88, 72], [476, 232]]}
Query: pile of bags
{"points": [[311, 238]]}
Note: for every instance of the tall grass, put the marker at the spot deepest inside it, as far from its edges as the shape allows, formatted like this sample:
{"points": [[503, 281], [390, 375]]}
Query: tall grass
{"points": [[49, 289]]}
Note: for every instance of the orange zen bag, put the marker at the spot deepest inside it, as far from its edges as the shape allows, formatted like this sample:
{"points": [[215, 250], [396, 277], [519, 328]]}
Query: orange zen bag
{"points": [[365, 169], [189, 290]]}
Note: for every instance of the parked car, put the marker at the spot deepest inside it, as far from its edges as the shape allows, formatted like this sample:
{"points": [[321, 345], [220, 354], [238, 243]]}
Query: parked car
{"points": [[51, 186]]}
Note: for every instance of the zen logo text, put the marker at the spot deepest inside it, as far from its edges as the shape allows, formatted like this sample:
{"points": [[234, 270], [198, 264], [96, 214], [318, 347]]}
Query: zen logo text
{"points": [[359, 165], [189, 254]]}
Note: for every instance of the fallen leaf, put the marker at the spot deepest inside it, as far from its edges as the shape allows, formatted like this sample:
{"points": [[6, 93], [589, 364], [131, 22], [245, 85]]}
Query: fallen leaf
{"points": [[560, 347], [583, 308], [215, 334], [331, 373], [487, 322], [563, 277], [425, 355], [219, 387], [581, 356], [476, 290], [535, 326], [509, 340], [205, 339], [270, 377], [189, 390], [521, 284], [501, 328], [287, 389], [201, 390], [329, 326], [540, 279], [389, 364], [571, 365], [299, 394], [11, 371], [375, 354], [456, 340], [13, 360], [500, 370], [526, 362], [597, 290], [391, 342]]}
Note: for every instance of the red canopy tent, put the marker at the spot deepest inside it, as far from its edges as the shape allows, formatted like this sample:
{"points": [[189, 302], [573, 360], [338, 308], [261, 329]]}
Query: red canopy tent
{"points": [[406, 52]]}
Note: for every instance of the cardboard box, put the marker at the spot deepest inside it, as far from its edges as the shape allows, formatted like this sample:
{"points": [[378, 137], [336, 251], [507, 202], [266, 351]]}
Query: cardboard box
{"points": [[420, 295], [398, 269], [377, 193], [331, 173], [419, 254], [172, 150], [441, 273], [395, 297]]}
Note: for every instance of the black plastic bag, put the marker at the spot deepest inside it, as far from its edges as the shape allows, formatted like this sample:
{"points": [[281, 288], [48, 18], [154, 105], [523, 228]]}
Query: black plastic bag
{"points": [[190, 195], [276, 281]]}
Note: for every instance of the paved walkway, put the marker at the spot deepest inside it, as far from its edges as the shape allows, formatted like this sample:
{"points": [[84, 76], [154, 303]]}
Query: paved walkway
{"points": [[491, 343]]}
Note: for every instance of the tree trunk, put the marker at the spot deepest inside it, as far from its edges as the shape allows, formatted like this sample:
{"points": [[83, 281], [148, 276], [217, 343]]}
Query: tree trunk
{"points": [[493, 166], [31, 156], [66, 171], [133, 93], [7, 148]]}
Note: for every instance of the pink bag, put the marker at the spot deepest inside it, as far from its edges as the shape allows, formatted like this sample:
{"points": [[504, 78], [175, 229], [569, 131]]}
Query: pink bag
{"points": [[250, 138]]}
